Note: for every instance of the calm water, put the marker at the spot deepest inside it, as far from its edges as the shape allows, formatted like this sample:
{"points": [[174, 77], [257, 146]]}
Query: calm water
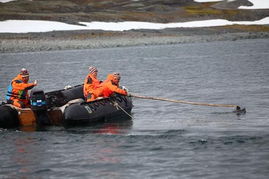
{"points": [[164, 140]]}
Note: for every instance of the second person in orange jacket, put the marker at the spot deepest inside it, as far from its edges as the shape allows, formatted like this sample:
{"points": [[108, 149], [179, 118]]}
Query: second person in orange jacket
{"points": [[91, 82], [110, 86]]}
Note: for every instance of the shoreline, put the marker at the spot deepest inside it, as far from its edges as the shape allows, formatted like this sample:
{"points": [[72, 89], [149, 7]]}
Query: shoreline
{"points": [[72, 12], [72, 40]]}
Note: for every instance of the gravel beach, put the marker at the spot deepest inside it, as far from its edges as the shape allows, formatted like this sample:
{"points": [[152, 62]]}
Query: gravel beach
{"points": [[64, 40]]}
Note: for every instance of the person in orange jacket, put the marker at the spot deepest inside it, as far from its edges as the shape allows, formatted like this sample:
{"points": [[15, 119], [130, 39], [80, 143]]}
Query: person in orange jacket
{"points": [[111, 86], [91, 82], [17, 93]]}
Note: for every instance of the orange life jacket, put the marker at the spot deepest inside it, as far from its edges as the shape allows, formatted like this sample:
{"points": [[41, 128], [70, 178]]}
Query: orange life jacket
{"points": [[90, 84], [18, 89]]}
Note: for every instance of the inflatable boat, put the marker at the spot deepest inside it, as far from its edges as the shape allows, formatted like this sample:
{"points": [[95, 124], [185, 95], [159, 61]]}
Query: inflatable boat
{"points": [[100, 110], [64, 107]]}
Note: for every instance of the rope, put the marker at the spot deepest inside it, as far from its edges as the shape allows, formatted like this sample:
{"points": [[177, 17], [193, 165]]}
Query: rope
{"points": [[184, 102], [118, 106]]}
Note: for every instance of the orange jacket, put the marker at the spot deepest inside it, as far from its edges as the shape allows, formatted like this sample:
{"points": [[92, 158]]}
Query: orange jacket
{"points": [[108, 87], [90, 84], [18, 89]]}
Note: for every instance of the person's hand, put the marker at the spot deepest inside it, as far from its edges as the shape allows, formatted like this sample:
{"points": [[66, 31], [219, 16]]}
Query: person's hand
{"points": [[124, 88], [127, 94], [35, 82]]}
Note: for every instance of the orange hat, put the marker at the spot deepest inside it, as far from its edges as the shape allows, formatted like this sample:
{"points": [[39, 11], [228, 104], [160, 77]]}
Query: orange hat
{"points": [[24, 72]]}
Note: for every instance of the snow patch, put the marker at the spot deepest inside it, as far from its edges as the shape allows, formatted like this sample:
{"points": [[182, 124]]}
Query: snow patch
{"points": [[25, 26], [257, 4]]}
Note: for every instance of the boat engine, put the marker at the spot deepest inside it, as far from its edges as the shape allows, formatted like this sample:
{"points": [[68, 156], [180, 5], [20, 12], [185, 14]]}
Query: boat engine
{"points": [[39, 106]]}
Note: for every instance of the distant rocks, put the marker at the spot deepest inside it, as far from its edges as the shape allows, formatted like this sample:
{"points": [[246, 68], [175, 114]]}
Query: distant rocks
{"points": [[232, 4], [86, 40]]}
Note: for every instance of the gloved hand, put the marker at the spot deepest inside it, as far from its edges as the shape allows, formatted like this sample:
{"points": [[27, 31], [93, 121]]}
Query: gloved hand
{"points": [[124, 88]]}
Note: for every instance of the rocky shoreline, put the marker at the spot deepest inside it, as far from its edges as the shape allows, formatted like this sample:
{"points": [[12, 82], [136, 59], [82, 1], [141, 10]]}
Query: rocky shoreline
{"points": [[67, 40], [72, 12]]}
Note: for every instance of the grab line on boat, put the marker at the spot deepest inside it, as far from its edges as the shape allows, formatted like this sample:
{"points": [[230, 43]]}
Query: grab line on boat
{"points": [[118, 106]]}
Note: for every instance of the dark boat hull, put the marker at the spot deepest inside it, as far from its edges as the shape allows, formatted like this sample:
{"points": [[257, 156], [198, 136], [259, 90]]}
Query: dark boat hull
{"points": [[12, 117], [98, 111], [8, 117]]}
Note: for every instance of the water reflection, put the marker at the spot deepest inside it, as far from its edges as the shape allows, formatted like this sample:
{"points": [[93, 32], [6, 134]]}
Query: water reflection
{"points": [[23, 157], [110, 127], [114, 126], [28, 128]]}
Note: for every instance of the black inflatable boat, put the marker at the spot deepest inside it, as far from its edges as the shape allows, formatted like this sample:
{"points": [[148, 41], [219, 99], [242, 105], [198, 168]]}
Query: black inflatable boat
{"points": [[99, 110], [64, 107]]}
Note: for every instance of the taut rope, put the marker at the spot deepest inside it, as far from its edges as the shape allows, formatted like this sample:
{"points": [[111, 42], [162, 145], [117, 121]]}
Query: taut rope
{"points": [[184, 102]]}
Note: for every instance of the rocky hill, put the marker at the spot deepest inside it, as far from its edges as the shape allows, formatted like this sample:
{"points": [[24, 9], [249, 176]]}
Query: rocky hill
{"points": [[74, 11]]}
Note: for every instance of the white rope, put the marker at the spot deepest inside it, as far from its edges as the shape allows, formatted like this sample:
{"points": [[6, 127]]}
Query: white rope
{"points": [[184, 102], [118, 106]]}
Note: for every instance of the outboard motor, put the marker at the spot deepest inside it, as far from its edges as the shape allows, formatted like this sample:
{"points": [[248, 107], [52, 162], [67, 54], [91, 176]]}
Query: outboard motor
{"points": [[39, 106]]}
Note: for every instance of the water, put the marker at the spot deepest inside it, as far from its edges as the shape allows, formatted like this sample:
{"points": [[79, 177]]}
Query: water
{"points": [[164, 140]]}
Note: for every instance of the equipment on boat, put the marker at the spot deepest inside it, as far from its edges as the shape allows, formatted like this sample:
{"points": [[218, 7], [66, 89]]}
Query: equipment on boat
{"points": [[39, 107], [61, 97]]}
